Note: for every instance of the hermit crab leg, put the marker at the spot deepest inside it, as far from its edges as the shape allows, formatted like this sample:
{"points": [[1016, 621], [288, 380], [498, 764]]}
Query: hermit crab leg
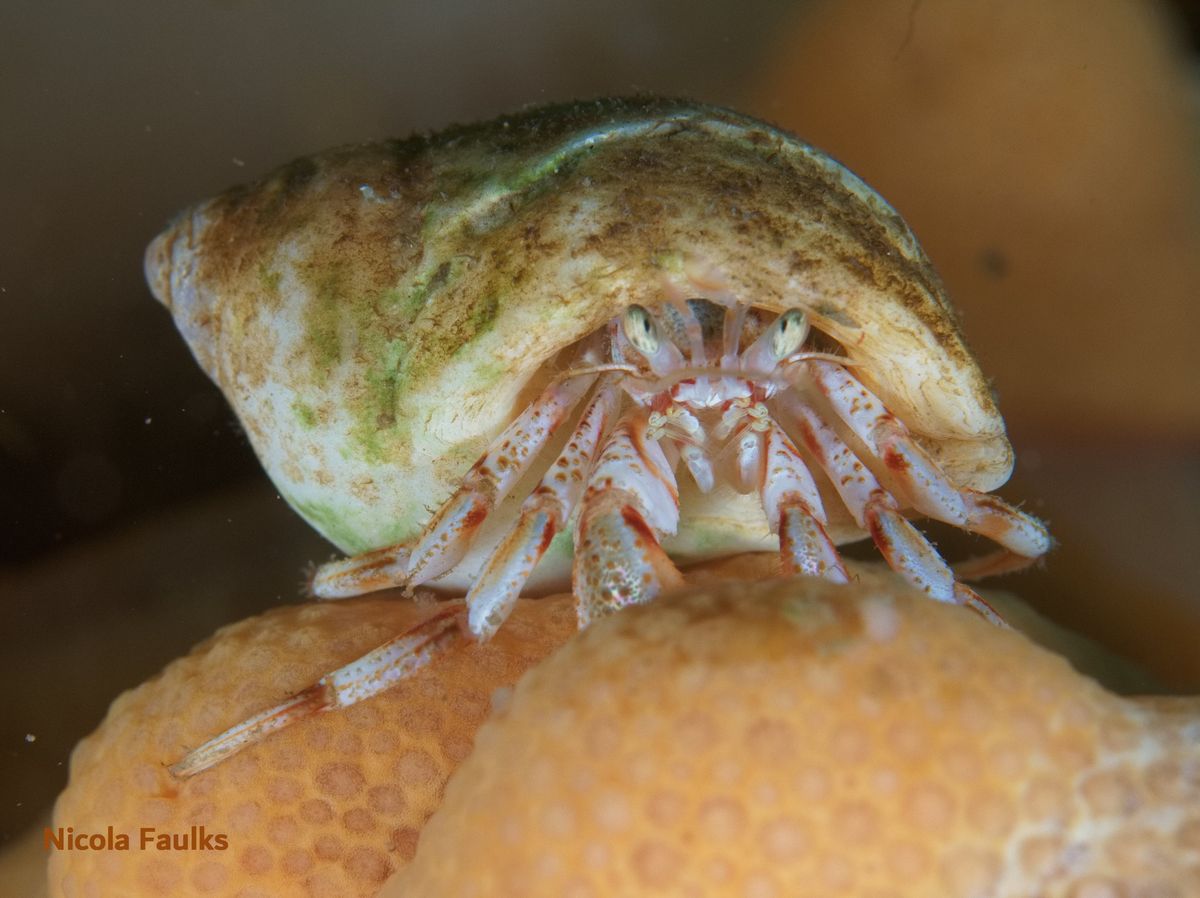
{"points": [[404, 655], [1024, 537], [631, 500], [794, 510], [874, 509], [448, 535], [543, 514], [446, 538], [374, 672], [360, 574], [927, 487]]}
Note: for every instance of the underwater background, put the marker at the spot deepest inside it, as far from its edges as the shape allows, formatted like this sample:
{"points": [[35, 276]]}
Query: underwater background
{"points": [[1045, 154]]}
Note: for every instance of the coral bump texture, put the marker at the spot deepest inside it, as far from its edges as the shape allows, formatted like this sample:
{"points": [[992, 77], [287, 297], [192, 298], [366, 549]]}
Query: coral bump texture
{"points": [[326, 808], [797, 738]]}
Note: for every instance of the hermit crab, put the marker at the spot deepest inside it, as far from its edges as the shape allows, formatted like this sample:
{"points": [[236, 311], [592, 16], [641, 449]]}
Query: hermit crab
{"points": [[596, 341]]}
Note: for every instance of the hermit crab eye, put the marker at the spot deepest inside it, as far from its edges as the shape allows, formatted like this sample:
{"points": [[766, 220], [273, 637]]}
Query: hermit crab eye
{"points": [[790, 330], [640, 330]]}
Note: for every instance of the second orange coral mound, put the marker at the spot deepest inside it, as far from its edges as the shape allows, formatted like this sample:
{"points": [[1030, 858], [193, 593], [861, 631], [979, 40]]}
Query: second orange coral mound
{"points": [[796, 738]]}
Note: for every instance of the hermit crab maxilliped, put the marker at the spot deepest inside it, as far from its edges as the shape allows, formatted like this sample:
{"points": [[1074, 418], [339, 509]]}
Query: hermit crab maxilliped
{"points": [[588, 341]]}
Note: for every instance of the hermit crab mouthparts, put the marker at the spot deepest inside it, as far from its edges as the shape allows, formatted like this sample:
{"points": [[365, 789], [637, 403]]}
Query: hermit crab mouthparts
{"points": [[590, 340]]}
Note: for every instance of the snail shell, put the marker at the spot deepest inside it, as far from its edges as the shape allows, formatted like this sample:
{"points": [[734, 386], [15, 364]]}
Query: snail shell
{"points": [[376, 313]]}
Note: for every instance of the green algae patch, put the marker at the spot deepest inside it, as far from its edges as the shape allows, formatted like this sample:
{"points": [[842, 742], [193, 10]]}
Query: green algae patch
{"points": [[322, 322], [672, 262], [377, 444], [483, 316], [454, 330], [335, 525], [489, 373], [383, 352], [269, 279], [374, 407], [305, 414], [369, 329], [382, 323]]}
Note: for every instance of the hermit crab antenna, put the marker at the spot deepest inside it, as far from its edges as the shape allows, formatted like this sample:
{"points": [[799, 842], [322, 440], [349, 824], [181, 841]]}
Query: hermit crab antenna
{"points": [[785, 335], [642, 332], [735, 320]]}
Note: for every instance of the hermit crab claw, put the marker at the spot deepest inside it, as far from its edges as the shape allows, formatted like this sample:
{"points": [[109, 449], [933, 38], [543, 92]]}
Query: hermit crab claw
{"points": [[586, 344]]}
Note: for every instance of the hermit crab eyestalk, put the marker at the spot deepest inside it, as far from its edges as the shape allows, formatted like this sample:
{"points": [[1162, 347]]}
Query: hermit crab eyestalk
{"points": [[788, 333], [641, 330], [785, 335]]}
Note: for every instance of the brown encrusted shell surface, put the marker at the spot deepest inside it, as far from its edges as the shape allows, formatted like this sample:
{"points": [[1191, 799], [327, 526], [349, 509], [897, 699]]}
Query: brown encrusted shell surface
{"points": [[375, 313]]}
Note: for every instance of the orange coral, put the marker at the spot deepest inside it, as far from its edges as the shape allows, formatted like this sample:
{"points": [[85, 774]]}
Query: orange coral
{"points": [[737, 738], [327, 807], [796, 738]]}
